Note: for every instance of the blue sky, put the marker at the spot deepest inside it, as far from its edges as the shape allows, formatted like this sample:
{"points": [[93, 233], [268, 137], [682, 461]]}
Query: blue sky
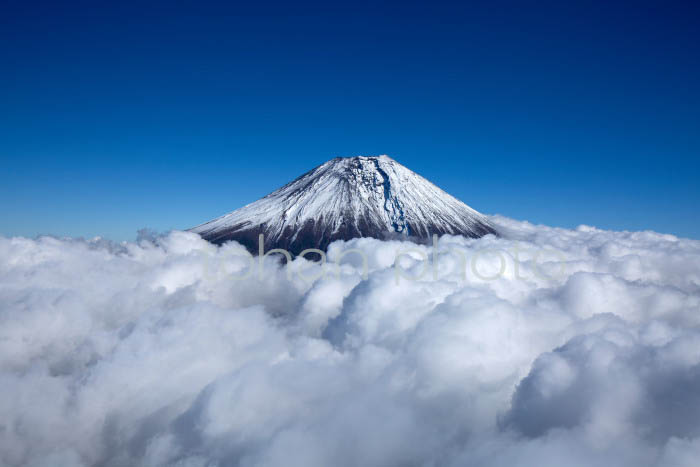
{"points": [[116, 118]]}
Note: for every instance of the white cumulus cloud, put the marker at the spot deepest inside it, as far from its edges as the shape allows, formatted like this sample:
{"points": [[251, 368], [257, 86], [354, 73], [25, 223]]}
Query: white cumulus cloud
{"points": [[544, 347]]}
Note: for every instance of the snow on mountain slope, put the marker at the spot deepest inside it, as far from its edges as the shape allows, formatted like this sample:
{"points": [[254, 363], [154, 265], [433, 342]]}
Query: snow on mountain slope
{"points": [[346, 198]]}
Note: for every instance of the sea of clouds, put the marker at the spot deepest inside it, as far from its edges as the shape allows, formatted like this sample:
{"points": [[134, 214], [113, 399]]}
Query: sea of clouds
{"points": [[546, 347]]}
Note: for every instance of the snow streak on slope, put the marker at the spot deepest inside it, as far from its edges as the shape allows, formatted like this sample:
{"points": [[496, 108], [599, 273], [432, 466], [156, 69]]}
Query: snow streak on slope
{"points": [[347, 198]]}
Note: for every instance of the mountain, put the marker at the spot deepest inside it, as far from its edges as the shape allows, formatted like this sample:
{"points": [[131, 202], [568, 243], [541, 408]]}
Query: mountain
{"points": [[346, 198]]}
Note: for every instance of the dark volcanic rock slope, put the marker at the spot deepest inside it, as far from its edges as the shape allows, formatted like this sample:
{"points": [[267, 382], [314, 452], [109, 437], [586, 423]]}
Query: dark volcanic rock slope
{"points": [[347, 198]]}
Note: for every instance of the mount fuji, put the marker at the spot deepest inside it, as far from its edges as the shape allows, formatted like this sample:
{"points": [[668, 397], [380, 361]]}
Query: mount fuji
{"points": [[347, 198]]}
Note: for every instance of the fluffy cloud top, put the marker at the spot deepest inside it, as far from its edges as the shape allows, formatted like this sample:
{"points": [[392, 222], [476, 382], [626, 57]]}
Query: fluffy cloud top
{"points": [[546, 347]]}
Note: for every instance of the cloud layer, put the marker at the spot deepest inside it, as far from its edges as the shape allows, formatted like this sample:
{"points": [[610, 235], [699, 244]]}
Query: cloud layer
{"points": [[546, 347]]}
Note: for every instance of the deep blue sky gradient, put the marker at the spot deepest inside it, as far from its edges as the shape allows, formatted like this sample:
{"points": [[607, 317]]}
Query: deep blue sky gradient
{"points": [[115, 118]]}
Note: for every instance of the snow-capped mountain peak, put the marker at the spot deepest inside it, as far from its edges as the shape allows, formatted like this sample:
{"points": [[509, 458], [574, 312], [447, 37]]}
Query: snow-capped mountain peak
{"points": [[344, 198]]}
